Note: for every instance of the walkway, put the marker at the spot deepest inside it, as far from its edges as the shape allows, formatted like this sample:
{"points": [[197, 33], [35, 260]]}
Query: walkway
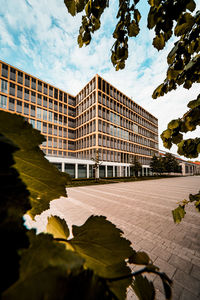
{"points": [[143, 211]]}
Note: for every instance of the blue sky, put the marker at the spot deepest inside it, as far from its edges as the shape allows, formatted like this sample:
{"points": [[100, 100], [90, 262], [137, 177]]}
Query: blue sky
{"points": [[40, 37]]}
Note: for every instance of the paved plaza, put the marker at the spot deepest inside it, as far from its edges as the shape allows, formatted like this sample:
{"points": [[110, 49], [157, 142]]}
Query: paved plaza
{"points": [[143, 211]]}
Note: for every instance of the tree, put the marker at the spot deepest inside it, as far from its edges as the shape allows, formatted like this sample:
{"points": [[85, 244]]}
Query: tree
{"points": [[156, 164], [97, 164], [170, 163], [92, 264], [170, 18], [135, 166]]}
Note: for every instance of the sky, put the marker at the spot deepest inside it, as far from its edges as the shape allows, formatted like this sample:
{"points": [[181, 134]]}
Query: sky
{"points": [[40, 37]]}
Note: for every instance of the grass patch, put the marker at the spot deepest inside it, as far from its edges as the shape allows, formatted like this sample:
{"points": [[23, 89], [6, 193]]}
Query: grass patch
{"points": [[92, 181]]}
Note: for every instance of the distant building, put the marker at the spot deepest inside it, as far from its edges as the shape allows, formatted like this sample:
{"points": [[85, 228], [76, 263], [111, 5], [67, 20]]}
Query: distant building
{"points": [[187, 167], [99, 118]]}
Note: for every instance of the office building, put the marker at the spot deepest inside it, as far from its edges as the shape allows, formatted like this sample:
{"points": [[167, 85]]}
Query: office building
{"points": [[99, 117]]}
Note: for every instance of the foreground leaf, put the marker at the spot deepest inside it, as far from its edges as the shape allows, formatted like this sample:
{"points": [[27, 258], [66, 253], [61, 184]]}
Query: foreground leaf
{"points": [[57, 227], [178, 213], [14, 204], [143, 288], [42, 179]]}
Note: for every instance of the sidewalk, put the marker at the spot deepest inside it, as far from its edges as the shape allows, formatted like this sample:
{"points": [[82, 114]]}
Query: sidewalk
{"points": [[143, 211]]}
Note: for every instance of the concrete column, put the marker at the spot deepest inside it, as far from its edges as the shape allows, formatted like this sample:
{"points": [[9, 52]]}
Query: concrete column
{"points": [[106, 170], [125, 171], [97, 172], [76, 170], [88, 171], [120, 171], [113, 171], [63, 167]]}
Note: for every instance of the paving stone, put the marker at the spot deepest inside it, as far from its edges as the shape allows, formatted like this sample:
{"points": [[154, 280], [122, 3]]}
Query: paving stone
{"points": [[195, 272], [165, 267], [190, 283], [186, 295], [180, 263], [162, 253]]}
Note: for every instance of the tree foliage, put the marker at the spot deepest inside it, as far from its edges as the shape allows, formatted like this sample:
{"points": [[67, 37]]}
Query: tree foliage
{"points": [[164, 164], [135, 166], [93, 264]]}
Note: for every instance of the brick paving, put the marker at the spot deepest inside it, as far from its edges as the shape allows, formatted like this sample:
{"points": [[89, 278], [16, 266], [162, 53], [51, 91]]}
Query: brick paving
{"points": [[143, 211]]}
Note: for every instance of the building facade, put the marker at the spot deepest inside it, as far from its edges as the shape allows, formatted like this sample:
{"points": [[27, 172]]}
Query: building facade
{"points": [[99, 117]]}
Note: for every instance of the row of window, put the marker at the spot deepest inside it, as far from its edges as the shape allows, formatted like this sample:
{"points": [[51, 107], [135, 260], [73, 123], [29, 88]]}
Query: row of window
{"points": [[35, 84], [36, 98], [86, 103], [108, 155], [119, 120], [86, 91], [86, 116], [121, 133], [86, 129], [109, 90]]}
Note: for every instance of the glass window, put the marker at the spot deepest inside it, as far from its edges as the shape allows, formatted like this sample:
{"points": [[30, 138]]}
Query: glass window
{"points": [[19, 92], [4, 86], [33, 97], [44, 114], [26, 94], [4, 70], [33, 83], [12, 104], [19, 106], [12, 89], [3, 102], [50, 116], [39, 113], [26, 108], [32, 111], [32, 122], [27, 80], [44, 101], [39, 99], [20, 77], [12, 74], [39, 125]]}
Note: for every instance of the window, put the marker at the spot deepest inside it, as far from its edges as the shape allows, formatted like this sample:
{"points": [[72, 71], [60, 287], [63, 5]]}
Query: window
{"points": [[44, 101], [19, 106], [33, 97], [50, 91], [39, 99], [19, 91], [11, 104], [45, 88], [12, 74], [39, 86], [3, 102], [56, 93], [4, 70], [44, 114], [32, 122], [50, 116], [39, 113], [27, 80], [32, 111], [4, 86], [26, 94], [12, 89], [26, 108], [20, 77], [39, 125], [33, 83]]}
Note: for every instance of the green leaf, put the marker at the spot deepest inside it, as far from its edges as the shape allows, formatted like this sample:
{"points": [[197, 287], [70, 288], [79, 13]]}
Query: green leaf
{"points": [[143, 288], [75, 6], [194, 103], [133, 29], [100, 243], [139, 258], [14, 204], [184, 24], [174, 124], [159, 42], [45, 267], [178, 213], [191, 5], [42, 179], [166, 133], [57, 227]]}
